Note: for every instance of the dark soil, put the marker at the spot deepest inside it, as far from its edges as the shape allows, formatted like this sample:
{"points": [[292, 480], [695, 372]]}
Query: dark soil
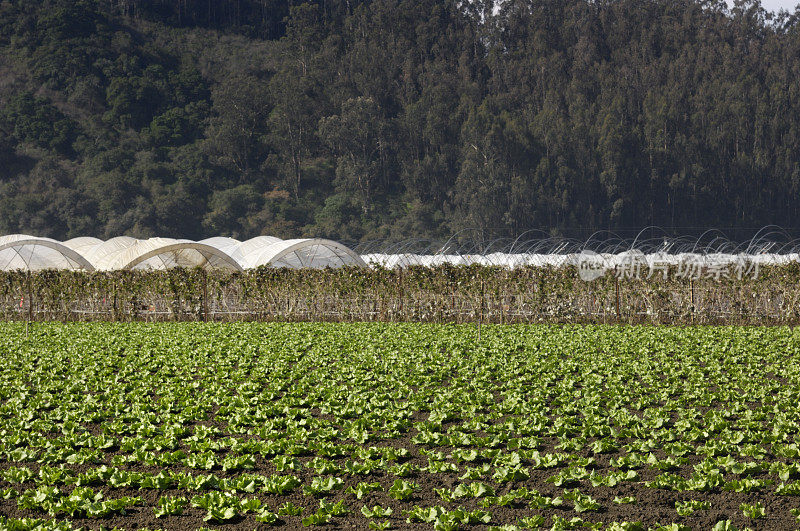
{"points": [[652, 506]]}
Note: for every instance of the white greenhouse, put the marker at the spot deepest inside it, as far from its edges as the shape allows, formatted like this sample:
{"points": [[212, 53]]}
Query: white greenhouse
{"points": [[31, 253]]}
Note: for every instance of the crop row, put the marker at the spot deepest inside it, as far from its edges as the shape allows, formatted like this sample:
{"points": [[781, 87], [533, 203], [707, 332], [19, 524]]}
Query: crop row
{"points": [[418, 294]]}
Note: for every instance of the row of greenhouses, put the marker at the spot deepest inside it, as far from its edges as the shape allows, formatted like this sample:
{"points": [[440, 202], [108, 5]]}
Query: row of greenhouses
{"points": [[31, 253]]}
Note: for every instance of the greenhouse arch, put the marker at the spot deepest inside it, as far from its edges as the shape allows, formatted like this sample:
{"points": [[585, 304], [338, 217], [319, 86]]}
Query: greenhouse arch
{"points": [[217, 253], [309, 252], [186, 254], [51, 254]]}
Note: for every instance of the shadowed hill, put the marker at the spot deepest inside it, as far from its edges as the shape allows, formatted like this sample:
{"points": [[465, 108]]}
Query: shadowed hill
{"points": [[394, 119]]}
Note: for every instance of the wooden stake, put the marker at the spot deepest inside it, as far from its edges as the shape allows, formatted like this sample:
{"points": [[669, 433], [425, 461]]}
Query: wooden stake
{"points": [[480, 314], [400, 279], [30, 299], [205, 296]]}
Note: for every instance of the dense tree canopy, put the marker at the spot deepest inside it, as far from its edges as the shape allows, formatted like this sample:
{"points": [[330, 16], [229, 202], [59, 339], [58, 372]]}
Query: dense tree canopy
{"points": [[362, 119]]}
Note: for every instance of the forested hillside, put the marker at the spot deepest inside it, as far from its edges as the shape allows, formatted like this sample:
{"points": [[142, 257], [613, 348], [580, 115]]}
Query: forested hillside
{"points": [[361, 119]]}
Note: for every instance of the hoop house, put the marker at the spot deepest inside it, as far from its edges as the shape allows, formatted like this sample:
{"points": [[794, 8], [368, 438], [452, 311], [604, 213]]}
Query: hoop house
{"points": [[30, 253], [161, 253], [312, 253], [224, 244], [124, 252]]}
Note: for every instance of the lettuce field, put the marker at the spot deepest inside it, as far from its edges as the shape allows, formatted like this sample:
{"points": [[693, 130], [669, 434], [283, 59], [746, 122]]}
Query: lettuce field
{"points": [[398, 426]]}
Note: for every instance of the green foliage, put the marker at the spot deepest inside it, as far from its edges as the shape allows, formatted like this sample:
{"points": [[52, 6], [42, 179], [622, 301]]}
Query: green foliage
{"points": [[168, 506], [325, 513], [376, 511], [688, 507], [638, 526], [362, 489], [290, 509], [34, 119], [755, 510], [402, 489], [791, 489], [496, 119], [320, 485], [81, 423], [286, 462], [265, 516], [581, 502], [219, 507]]}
